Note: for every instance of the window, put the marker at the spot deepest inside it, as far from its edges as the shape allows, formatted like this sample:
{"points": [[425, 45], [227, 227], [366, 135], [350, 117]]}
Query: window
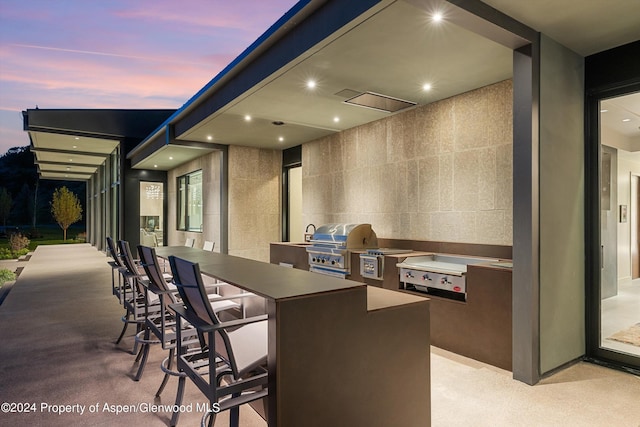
{"points": [[190, 201]]}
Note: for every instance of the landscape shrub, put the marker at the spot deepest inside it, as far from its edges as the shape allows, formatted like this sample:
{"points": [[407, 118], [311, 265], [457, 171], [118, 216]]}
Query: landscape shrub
{"points": [[21, 252], [6, 275], [18, 242], [5, 253], [18, 246]]}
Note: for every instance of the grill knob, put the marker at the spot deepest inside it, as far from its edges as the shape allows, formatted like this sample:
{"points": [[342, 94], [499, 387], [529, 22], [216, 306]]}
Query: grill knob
{"points": [[333, 262], [323, 260]]}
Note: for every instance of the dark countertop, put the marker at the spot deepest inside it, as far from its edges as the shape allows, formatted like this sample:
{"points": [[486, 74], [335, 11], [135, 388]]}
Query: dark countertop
{"points": [[264, 279], [296, 244]]}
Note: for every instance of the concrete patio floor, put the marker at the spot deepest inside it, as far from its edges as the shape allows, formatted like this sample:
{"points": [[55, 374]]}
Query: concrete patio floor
{"points": [[59, 323], [58, 327]]}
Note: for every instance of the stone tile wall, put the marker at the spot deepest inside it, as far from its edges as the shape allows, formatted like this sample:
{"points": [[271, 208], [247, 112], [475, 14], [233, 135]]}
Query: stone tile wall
{"points": [[254, 201], [438, 172]]}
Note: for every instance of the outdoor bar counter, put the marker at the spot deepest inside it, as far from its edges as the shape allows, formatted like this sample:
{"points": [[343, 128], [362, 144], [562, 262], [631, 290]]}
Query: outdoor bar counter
{"points": [[341, 353]]}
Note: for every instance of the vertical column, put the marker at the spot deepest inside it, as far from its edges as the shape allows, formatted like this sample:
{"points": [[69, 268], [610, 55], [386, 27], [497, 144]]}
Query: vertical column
{"points": [[526, 215]]}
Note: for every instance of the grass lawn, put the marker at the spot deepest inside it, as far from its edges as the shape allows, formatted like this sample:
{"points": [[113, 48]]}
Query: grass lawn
{"points": [[49, 235]]}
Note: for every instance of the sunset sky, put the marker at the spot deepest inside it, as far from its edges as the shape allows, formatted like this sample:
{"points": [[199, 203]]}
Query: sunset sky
{"points": [[117, 53]]}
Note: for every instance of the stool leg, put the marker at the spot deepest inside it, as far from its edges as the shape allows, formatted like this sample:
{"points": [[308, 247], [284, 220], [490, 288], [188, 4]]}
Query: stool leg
{"points": [[166, 376], [234, 415], [139, 355], [179, 395], [135, 342], [144, 352], [125, 319]]}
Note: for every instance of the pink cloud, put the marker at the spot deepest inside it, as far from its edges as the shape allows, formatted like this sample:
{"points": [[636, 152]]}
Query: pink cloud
{"points": [[206, 13], [118, 54]]}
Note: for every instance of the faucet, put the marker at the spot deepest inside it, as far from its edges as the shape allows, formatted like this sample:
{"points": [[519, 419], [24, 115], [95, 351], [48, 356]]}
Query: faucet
{"points": [[308, 236]]}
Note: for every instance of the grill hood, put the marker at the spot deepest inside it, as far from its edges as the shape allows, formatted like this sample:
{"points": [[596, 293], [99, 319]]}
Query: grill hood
{"points": [[346, 236]]}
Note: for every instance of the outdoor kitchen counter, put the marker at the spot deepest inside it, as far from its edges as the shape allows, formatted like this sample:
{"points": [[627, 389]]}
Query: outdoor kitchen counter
{"points": [[479, 328], [267, 280], [293, 254], [326, 338]]}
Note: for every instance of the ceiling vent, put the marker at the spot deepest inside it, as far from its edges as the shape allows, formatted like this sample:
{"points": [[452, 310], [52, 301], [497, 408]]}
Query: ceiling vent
{"points": [[379, 102], [347, 93]]}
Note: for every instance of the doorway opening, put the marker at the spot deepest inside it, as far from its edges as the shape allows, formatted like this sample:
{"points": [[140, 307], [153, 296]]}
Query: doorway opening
{"points": [[151, 213], [616, 298]]}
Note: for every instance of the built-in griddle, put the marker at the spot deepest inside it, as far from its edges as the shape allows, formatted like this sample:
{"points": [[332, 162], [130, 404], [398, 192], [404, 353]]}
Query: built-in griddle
{"points": [[439, 274]]}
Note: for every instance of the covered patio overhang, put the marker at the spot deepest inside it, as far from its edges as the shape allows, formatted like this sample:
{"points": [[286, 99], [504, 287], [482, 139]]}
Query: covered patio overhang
{"points": [[70, 144], [326, 67]]}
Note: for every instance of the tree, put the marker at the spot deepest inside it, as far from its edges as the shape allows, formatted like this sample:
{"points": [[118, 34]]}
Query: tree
{"points": [[65, 208], [17, 171], [5, 205]]}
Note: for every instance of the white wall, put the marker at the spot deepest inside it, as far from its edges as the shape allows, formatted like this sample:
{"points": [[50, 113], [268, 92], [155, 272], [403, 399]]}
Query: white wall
{"points": [[627, 165], [562, 296]]}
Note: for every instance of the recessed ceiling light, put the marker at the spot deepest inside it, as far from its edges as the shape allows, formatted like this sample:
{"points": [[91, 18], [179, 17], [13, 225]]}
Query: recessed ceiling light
{"points": [[68, 168], [247, 118], [77, 138], [75, 146], [626, 120], [71, 160], [603, 111], [336, 119], [155, 166], [426, 87], [209, 137], [170, 157], [281, 139], [311, 84], [436, 17]]}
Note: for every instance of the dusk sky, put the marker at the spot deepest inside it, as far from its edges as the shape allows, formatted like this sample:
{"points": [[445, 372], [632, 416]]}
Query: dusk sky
{"points": [[118, 53]]}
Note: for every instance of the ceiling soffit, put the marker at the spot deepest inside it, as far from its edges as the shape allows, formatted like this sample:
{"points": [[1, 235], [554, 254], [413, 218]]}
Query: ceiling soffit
{"points": [[584, 26], [62, 156], [394, 52]]}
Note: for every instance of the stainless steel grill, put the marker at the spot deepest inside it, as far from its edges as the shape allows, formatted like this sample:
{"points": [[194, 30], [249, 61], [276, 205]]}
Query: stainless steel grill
{"points": [[331, 244]]}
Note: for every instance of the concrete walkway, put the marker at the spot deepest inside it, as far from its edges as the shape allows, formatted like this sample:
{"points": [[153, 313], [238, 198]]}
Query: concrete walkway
{"points": [[58, 326]]}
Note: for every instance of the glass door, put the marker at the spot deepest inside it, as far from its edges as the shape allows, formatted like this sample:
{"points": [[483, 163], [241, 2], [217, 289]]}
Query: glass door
{"points": [[151, 217], [618, 294]]}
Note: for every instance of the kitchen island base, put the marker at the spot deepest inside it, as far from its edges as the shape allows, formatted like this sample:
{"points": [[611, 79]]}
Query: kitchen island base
{"points": [[340, 353]]}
